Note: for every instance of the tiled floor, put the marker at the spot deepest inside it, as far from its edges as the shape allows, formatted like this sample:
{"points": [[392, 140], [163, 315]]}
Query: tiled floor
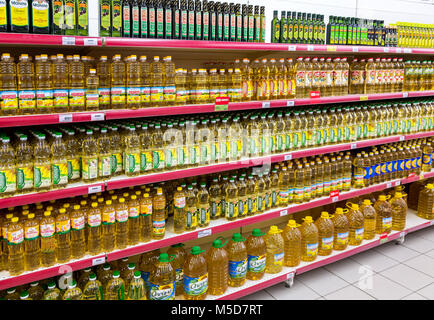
{"points": [[387, 272]]}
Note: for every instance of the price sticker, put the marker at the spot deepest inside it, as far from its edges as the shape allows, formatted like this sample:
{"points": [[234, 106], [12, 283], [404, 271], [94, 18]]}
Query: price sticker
{"points": [[405, 94], [332, 48], [67, 117], [310, 48], [290, 275], [94, 189], [288, 157], [389, 185], [290, 103], [398, 183], [265, 104], [355, 49], [292, 48], [386, 49], [364, 97], [401, 138], [283, 212], [407, 50], [204, 233], [68, 41], [384, 238], [98, 261], [353, 146], [335, 199], [90, 41], [398, 50], [221, 104], [97, 116]]}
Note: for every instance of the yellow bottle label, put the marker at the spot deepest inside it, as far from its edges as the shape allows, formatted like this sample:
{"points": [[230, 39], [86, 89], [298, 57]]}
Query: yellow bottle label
{"points": [[24, 178], [89, 168], [104, 166], [19, 13], [63, 226], [59, 172], [42, 176], [117, 163], [8, 180], [40, 14]]}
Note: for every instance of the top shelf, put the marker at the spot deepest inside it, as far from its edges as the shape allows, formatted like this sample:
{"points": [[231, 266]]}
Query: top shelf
{"points": [[23, 39]]}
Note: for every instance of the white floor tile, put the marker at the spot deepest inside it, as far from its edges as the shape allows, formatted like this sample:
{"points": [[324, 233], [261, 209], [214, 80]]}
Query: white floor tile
{"points": [[260, 295], [430, 254], [427, 233], [348, 293], [322, 281], [320, 298], [397, 252], [413, 241], [427, 292], [385, 289], [347, 269], [422, 263], [408, 277], [374, 260], [414, 296], [298, 291]]}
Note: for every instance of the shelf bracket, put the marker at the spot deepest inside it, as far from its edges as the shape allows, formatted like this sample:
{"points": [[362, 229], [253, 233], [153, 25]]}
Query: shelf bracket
{"points": [[400, 240], [289, 280]]}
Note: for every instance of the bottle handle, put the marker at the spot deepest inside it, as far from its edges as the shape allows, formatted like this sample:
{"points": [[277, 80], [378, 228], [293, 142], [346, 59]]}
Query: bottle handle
{"points": [[173, 257], [348, 205], [345, 210], [223, 239]]}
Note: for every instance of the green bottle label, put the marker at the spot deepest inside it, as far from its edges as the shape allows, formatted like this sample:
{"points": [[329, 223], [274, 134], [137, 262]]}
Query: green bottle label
{"points": [[198, 25], [116, 18], [126, 20], [144, 22], [168, 23], [311, 32], [184, 23], [70, 14], [135, 14], [276, 33], [105, 16], [82, 15], [191, 24], [225, 26], [284, 33], [160, 22], [151, 23], [251, 28]]}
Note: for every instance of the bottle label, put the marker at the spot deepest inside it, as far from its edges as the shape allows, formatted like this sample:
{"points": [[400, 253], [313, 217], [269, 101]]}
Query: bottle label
{"points": [[59, 173], [133, 95], [159, 227], [191, 219], [60, 98], [117, 95], [158, 159], [108, 217], [126, 18], [132, 162], [44, 98], [358, 234], [179, 202], [179, 282], [42, 176], [9, 100], [116, 163], [203, 215], [146, 209], [215, 208], [181, 97], [238, 269], [89, 168], [104, 17], [169, 93], [157, 94], [94, 220], [163, 292], [135, 13], [19, 13], [77, 223], [311, 249], [76, 97], [144, 22], [104, 166], [278, 259], [251, 205], [122, 216], [47, 230], [24, 178], [327, 243], [170, 157], [26, 99], [195, 286], [31, 233], [116, 16], [133, 212], [256, 264], [160, 22], [15, 237], [387, 223], [63, 227], [103, 96]]}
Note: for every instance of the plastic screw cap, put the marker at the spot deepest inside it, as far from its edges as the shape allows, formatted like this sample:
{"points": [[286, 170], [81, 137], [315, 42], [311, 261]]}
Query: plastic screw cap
{"points": [[116, 273], [131, 266], [274, 230], [430, 186], [367, 202], [382, 198], [308, 219], [325, 215], [237, 237], [196, 250], [257, 233], [217, 243], [92, 276], [164, 257], [292, 224], [137, 274]]}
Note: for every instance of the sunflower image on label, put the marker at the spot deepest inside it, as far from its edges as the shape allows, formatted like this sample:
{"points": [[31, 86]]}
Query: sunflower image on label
{"points": [[251, 205], [237, 269], [27, 99], [31, 233], [59, 173], [358, 234], [60, 98], [133, 95], [195, 286], [256, 264], [63, 227], [145, 161], [162, 292], [191, 219], [24, 178], [77, 98], [132, 162], [104, 166], [117, 163], [158, 159], [312, 249], [47, 230], [77, 223], [15, 237], [94, 220], [8, 180], [103, 97], [158, 227], [157, 94], [121, 216], [387, 223], [89, 168], [170, 157], [108, 217], [327, 243], [44, 98], [231, 209], [117, 95], [278, 259], [9, 100], [42, 176]]}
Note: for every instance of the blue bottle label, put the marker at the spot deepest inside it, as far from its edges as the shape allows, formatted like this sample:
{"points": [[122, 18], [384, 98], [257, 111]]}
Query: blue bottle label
{"points": [[256, 264], [238, 269], [196, 286], [163, 292]]}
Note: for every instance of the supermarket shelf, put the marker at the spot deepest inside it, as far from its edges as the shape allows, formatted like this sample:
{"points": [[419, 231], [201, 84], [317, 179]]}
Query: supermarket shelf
{"points": [[26, 39], [74, 189], [413, 223], [6, 281]]}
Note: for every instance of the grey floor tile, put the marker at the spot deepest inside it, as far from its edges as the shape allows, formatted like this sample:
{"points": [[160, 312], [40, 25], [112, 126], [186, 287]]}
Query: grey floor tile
{"points": [[322, 281], [374, 260], [396, 251], [414, 296], [415, 242], [422, 263], [408, 277], [427, 292], [347, 269], [384, 289], [430, 254], [348, 293], [298, 291], [260, 295], [427, 233]]}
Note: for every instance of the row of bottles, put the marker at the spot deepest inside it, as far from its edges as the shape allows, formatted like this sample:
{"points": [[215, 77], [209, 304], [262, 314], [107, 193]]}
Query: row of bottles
{"points": [[355, 31], [69, 17], [415, 35], [297, 27], [182, 19]]}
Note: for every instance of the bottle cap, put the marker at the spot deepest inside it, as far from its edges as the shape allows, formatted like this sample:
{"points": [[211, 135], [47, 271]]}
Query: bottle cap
{"points": [[24, 295], [325, 215], [137, 274], [51, 285], [274, 230], [47, 213], [15, 219], [77, 207], [92, 276], [398, 195], [367, 202], [217, 243], [73, 284], [121, 200], [382, 198], [116, 274], [292, 224], [430, 186], [164, 257], [131, 266], [237, 237], [308, 219], [31, 215], [257, 233], [196, 250], [179, 188]]}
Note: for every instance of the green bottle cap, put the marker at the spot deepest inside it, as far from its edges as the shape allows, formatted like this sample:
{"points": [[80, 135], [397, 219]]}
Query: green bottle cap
{"points": [[237, 237], [196, 250], [137, 274], [178, 245], [131, 266], [116, 273], [92, 276], [51, 285], [257, 233], [164, 257], [24, 294]]}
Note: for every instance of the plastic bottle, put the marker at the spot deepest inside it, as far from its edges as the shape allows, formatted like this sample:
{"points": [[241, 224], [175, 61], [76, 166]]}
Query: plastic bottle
{"points": [[26, 85], [73, 292], [48, 240], [159, 215], [92, 95], [309, 239], [356, 224], [127, 274], [384, 215], [325, 234], [59, 165], [84, 277], [136, 289], [195, 275], [370, 217], [169, 90], [256, 255], [44, 85], [425, 203], [292, 244], [7, 168], [31, 243], [89, 157], [60, 84], [341, 229], [275, 250], [203, 206], [218, 268], [157, 82], [104, 77], [108, 227], [145, 218], [63, 236], [117, 90], [94, 237], [179, 217], [399, 212], [162, 280], [77, 82], [237, 253], [11, 294], [177, 251], [231, 201], [133, 91], [52, 293], [78, 241], [35, 291], [115, 288], [93, 289], [131, 152], [121, 224]]}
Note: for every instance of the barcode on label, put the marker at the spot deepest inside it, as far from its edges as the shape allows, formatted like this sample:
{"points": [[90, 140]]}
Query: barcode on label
{"points": [[97, 116], [290, 275], [386, 49], [91, 42], [65, 117], [95, 189], [98, 261], [398, 50], [68, 41], [401, 138], [355, 49], [204, 233], [335, 199], [397, 183], [389, 185], [405, 94], [292, 48], [353, 146], [288, 157], [290, 103], [283, 213], [310, 48], [265, 104]]}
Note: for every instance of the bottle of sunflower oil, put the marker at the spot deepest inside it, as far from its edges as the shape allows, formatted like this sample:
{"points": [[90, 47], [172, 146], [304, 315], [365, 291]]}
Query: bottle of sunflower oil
{"points": [[242, 197], [260, 193], [195, 275], [133, 220], [31, 243], [256, 255], [275, 250], [94, 238], [117, 90], [325, 228], [283, 184], [217, 260], [251, 196], [215, 199], [384, 215], [341, 229], [292, 244], [299, 184], [89, 157], [356, 224], [231, 201], [178, 252], [399, 212], [44, 85], [425, 202], [203, 206], [162, 280], [133, 81], [121, 224], [136, 289], [63, 236], [15, 238], [108, 226], [59, 165], [52, 293], [93, 289], [103, 72], [115, 288], [131, 154], [159, 215], [60, 84], [47, 228], [77, 78], [191, 209], [26, 85], [370, 217], [309, 239], [237, 253], [78, 243], [275, 189]]}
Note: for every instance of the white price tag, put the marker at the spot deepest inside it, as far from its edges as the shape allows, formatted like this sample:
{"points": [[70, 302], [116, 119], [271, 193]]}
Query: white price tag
{"points": [[353, 146], [68, 41], [288, 157], [283, 212], [98, 261], [398, 50], [97, 116], [290, 275], [355, 49], [401, 138], [398, 183], [405, 94], [265, 104], [310, 48], [386, 49], [292, 48], [407, 50], [204, 233], [65, 117], [90, 41], [335, 199], [290, 103], [389, 185], [94, 189]]}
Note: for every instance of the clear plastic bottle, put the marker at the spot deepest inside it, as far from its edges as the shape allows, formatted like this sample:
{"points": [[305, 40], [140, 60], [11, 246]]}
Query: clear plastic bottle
{"points": [[275, 250], [370, 217], [157, 82], [159, 215], [237, 253], [44, 85], [356, 223], [195, 275], [399, 212], [94, 225], [26, 85], [31, 243], [341, 229], [425, 202], [231, 201], [108, 227], [84, 277], [117, 90], [203, 206], [52, 293], [7, 167], [92, 95], [89, 157], [77, 82], [133, 74], [325, 234], [169, 90], [59, 164], [60, 84], [115, 288], [47, 227], [131, 152], [191, 209], [136, 289], [127, 274], [178, 252], [257, 248], [217, 259], [384, 215], [162, 280], [121, 224], [292, 244], [179, 202], [93, 289], [73, 292], [35, 291], [103, 72], [309, 239], [63, 236], [78, 241]]}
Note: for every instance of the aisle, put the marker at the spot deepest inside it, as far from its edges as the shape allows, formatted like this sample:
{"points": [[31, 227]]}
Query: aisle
{"points": [[389, 271]]}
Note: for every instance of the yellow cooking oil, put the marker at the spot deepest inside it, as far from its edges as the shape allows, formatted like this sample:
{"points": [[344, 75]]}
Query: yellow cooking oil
{"points": [[341, 229], [309, 239], [356, 224], [370, 216], [195, 275], [325, 228], [425, 203], [237, 253], [399, 211], [384, 215], [217, 259], [162, 279], [275, 250], [292, 244]]}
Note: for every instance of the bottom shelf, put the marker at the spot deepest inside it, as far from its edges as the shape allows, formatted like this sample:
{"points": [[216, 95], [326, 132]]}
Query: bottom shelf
{"points": [[413, 223]]}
